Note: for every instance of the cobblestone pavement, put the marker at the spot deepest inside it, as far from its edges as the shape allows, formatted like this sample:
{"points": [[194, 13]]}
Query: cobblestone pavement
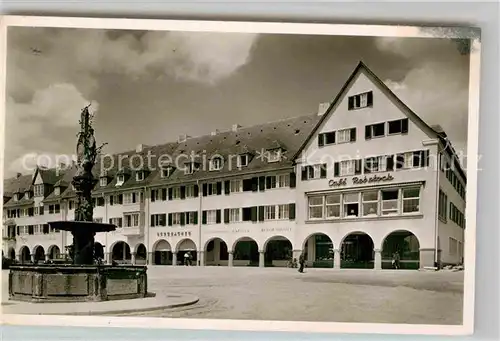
{"points": [[318, 295]]}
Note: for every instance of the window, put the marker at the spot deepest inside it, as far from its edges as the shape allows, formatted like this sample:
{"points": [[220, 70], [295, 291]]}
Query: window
{"points": [[103, 182], [212, 188], [131, 220], [327, 138], [212, 217], [333, 206], [360, 100], [283, 180], [276, 212], [236, 186], [191, 217], [120, 179], [38, 190], [97, 220], [347, 167], [377, 164], [346, 135], [375, 130], [139, 176], [314, 172], [453, 246], [390, 201], [316, 207], [234, 215], [270, 212], [130, 198], [176, 218], [351, 205], [398, 126], [159, 219], [190, 191], [411, 200], [167, 171], [100, 201], [118, 222], [190, 168], [216, 163], [54, 209], [57, 191], [242, 160], [274, 155], [27, 194], [370, 203], [442, 205]]}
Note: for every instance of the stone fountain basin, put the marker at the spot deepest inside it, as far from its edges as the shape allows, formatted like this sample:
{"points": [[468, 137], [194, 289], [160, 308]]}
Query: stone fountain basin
{"points": [[76, 283]]}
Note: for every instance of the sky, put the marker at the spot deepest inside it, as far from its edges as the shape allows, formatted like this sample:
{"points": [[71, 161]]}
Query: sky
{"points": [[150, 87]]}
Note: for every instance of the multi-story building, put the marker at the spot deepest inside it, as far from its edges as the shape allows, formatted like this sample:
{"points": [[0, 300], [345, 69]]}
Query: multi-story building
{"points": [[349, 186]]}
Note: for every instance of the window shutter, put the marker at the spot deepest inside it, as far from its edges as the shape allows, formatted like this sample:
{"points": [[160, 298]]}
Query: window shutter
{"points": [[196, 191], [170, 219], [323, 171], [170, 193], [262, 183], [205, 189], [304, 173], [153, 195], [152, 220], [369, 100], [183, 218], [219, 187], [336, 169], [368, 132], [120, 199], [321, 140], [204, 217], [226, 216], [310, 172], [404, 126], [350, 104], [293, 180], [17, 230], [367, 166], [255, 185], [261, 213], [390, 162], [353, 134], [253, 213], [268, 182], [183, 192], [217, 217], [357, 169], [400, 161], [291, 211], [425, 161], [227, 187], [417, 158], [195, 220]]}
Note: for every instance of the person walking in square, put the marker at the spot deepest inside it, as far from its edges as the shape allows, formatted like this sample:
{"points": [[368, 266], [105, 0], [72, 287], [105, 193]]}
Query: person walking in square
{"points": [[395, 260], [301, 262]]}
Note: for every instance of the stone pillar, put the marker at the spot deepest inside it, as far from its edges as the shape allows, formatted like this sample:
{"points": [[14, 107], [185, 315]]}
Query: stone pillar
{"points": [[336, 259], [230, 259], [261, 259], [107, 257], [33, 257], [296, 254], [427, 257], [174, 258], [150, 259], [378, 259], [134, 258], [201, 258]]}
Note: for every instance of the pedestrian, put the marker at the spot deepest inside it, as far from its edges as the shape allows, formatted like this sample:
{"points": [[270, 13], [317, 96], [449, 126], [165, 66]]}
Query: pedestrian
{"points": [[395, 260], [301, 262], [186, 259]]}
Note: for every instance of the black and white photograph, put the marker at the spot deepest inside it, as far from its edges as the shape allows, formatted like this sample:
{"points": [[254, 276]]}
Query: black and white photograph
{"points": [[319, 176]]}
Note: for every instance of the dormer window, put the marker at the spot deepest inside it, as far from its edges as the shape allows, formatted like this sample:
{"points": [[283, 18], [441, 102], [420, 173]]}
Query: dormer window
{"points": [[120, 179], [167, 171], [16, 197], [139, 176], [274, 155], [27, 194], [242, 160], [190, 168], [103, 181], [57, 190], [38, 190], [216, 163]]}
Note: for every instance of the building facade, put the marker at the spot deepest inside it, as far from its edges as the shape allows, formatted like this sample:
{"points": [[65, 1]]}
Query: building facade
{"points": [[350, 186]]}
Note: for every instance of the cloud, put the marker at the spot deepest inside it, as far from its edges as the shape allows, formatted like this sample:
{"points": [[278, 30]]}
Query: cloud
{"points": [[437, 89], [54, 108]]}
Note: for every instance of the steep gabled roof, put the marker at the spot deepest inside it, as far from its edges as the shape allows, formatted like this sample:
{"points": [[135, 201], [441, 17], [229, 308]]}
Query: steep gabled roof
{"points": [[410, 113]]}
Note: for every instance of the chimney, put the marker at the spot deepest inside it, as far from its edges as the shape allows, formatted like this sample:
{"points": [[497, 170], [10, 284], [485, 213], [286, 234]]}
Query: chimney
{"points": [[183, 138], [215, 132], [322, 108], [18, 175], [140, 148], [235, 127]]}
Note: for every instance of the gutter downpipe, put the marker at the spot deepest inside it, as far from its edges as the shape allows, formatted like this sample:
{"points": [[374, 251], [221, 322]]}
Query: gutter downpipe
{"points": [[146, 226], [436, 217], [200, 195]]}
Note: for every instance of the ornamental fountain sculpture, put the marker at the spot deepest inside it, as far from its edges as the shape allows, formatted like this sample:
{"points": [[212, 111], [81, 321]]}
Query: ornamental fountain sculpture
{"points": [[85, 279]]}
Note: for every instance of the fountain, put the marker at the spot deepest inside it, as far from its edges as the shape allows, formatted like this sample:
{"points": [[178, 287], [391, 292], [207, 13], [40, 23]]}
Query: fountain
{"points": [[86, 279]]}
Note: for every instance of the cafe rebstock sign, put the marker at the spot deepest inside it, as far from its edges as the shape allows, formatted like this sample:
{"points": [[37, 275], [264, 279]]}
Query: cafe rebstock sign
{"points": [[357, 180]]}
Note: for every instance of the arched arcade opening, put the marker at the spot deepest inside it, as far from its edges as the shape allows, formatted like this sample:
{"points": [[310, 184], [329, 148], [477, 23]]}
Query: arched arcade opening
{"points": [[406, 245], [216, 253], [141, 254], [120, 253], [246, 252], [24, 255], [357, 251], [11, 253], [54, 252], [318, 250], [39, 253], [162, 253], [186, 252], [278, 251]]}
